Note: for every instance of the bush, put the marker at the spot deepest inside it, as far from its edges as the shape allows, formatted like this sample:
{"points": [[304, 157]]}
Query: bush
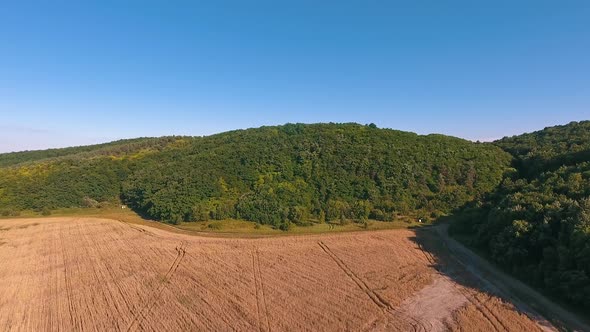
{"points": [[88, 202], [285, 226], [45, 212], [216, 225], [200, 212], [10, 213], [175, 219], [343, 220], [378, 214], [436, 214], [297, 214], [322, 217], [104, 205]]}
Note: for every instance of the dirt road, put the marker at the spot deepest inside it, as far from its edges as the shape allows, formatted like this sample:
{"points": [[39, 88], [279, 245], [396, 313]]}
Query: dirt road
{"points": [[523, 296]]}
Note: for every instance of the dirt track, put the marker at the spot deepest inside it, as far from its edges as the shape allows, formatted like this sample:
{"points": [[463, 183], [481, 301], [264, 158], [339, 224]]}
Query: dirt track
{"points": [[523, 296], [97, 274]]}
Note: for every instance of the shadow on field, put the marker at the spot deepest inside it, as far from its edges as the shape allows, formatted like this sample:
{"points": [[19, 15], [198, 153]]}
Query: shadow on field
{"points": [[464, 267], [444, 261]]}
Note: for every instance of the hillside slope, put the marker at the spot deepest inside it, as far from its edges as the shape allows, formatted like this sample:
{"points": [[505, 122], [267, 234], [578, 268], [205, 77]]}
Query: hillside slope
{"points": [[536, 224], [272, 175], [71, 177], [116, 148]]}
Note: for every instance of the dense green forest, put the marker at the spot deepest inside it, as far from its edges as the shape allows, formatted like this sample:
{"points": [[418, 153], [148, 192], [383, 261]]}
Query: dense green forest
{"points": [[73, 177], [536, 224], [292, 173], [271, 175]]}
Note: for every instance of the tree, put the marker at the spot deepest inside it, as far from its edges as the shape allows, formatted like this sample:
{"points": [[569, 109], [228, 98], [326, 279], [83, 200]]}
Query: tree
{"points": [[322, 217], [362, 209]]}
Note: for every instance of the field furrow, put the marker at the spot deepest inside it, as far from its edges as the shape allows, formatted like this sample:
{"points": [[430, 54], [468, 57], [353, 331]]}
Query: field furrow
{"points": [[64, 274]]}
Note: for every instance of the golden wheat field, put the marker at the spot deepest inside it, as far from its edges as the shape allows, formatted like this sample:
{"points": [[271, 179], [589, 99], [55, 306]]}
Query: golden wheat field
{"points": [[89, 274]]}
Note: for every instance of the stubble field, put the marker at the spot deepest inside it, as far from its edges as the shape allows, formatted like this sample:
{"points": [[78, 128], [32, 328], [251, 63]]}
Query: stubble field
{"points": [[67, 274]]}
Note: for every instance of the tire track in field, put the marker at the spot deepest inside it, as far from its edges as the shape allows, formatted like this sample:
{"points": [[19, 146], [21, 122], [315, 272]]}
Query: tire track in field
{"points": [[98, 274], [263, 319], [85, 302], [68, 283], [487, 313], [427, 254], [256, 291], [262, 288], [113, 276], [155, 295], [483, 309], [417, 326], [139, 229], [135, 249]]}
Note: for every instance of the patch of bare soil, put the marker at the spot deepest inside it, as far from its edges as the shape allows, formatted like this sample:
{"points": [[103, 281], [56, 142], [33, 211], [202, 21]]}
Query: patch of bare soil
{"points": [[434, 304], [97, 274]]}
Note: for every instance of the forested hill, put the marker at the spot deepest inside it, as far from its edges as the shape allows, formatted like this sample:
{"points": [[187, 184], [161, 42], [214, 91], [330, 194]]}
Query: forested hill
{"points": [[550, 148], [87, 176], [274, 175], [116, 148], [537, 222]]}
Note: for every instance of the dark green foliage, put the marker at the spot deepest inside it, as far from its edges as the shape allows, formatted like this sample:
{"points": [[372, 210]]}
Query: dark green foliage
{"points": [[217, 225], [536, 224], [294, 172], [272, 175], [549, 149], [90, 178]]}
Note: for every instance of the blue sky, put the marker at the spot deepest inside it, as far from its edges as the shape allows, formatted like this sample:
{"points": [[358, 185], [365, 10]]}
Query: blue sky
{"points": [[81, 72]]}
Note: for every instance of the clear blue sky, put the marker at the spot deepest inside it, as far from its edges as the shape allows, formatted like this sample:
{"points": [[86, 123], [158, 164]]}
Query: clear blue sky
{"points": [[78, 72]]}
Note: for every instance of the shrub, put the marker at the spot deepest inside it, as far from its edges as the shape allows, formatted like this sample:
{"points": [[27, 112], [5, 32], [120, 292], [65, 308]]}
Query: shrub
{"points": [[89, 202], [322, 217], [378, 214], [104, 205], [285, 226], [216, 225], [10, 213], [343, 220]]}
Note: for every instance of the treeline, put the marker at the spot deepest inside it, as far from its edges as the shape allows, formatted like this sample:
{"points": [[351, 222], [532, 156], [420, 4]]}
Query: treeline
{"points": [[271, 175], [536, 224]]}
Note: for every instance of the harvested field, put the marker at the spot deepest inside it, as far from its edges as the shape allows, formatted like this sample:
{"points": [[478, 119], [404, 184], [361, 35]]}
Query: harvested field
{"points": [[99, 274]]}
